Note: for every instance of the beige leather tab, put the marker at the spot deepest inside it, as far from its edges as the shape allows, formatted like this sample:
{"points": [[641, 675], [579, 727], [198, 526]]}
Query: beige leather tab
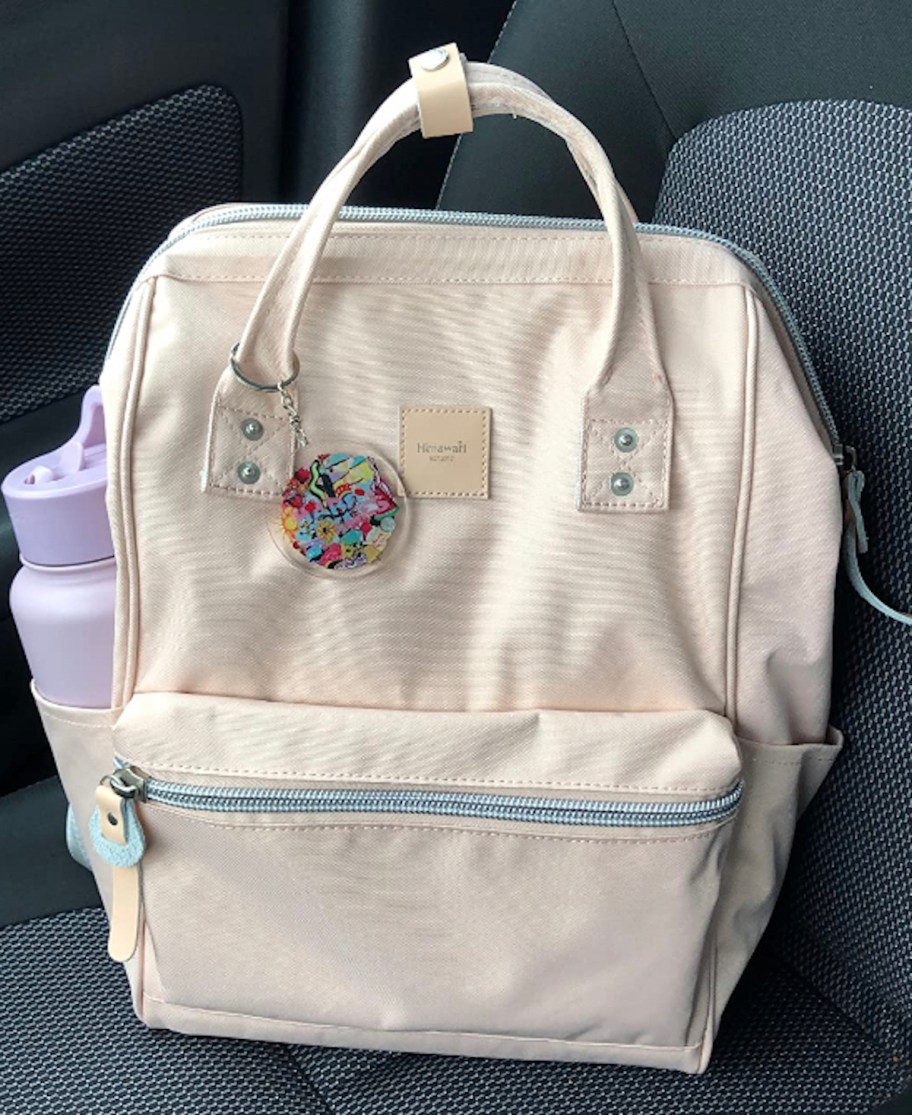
{"points": [[110, 814], [124, 928], [125, 889], [443, 92], [444, 452]]}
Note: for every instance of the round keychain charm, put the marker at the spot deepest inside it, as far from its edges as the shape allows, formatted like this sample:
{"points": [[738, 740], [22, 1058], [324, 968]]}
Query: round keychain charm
{"points": [[343, 513], [343, 510]]}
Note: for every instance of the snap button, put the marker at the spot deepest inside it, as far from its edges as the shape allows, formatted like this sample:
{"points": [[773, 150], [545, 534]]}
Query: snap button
{"points": [[434, 59], [252, 429], [622, 483], [248, 472], [626, 439]]}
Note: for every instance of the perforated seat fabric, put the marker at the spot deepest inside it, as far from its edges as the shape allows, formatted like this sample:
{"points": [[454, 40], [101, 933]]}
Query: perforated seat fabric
{"points": [[821, 192], [80, 219], [71, 1046]]}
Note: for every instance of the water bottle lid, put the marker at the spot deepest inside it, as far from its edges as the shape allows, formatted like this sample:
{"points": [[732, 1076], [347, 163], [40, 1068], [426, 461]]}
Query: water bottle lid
{"points": [[57, 501]]}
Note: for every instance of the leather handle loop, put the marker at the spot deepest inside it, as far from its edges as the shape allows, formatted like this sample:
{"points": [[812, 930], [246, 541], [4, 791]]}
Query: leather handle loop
{"points": [[443, 93]]}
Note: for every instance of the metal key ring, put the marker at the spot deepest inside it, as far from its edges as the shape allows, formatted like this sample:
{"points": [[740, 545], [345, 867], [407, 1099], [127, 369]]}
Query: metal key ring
{"points": [[239, 375]]}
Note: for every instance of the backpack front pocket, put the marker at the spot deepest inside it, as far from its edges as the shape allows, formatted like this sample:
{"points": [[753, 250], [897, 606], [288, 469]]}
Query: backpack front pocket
{"points": [[553, 900]]}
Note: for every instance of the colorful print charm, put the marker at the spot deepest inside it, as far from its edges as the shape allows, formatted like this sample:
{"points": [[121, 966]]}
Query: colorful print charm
{"points": [[339, 513]]}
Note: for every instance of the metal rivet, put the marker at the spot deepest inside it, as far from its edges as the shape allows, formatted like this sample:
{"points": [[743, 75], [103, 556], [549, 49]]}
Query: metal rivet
{"points": [[252, 429], [112, 819], [248, 472], [622, 483], [434, 59], [626, 439]]}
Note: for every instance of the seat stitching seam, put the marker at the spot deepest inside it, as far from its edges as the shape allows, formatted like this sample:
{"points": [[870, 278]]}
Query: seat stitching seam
{"points": [[642, 72], [455, 150]]}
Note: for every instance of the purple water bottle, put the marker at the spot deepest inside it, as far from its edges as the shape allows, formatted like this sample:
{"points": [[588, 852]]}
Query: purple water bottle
{"points": [[62, 598]]}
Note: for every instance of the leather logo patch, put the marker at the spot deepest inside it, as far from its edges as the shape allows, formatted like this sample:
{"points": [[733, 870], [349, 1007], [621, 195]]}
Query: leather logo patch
{"points": [[444, 451]]}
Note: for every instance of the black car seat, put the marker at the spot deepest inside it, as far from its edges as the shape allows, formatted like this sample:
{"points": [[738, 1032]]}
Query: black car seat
{"points": [[642, 73]]}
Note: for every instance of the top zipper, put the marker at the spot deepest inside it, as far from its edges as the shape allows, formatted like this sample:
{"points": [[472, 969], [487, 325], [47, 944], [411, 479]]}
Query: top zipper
{"points": [[382, 215]]}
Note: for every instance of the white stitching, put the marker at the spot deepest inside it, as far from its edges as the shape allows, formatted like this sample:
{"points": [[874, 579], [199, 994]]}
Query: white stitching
{"points": [[433, 779], [422, 824], [619, 504]]}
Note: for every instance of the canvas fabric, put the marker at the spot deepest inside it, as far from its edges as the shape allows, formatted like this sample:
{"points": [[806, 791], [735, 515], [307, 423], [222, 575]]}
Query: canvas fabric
{"points": [[556, 639]]}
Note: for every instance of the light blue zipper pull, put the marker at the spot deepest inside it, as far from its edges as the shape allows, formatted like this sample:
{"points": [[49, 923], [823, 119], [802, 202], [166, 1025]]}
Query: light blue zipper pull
{"points": [[855, 540], [117, 855]]}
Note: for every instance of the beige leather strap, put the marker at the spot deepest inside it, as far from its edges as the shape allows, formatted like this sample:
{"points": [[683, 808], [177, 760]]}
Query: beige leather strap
{"points": [[628, 386], [123, 927], [442, 91]]}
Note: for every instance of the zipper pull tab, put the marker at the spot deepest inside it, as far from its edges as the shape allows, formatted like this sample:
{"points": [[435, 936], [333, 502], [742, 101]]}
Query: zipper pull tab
{"points": [[118, 838], [855, 540]]}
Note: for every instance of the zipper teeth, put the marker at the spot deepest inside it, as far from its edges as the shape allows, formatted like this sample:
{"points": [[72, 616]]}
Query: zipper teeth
{"points": [[498, 807], [380, 214]]}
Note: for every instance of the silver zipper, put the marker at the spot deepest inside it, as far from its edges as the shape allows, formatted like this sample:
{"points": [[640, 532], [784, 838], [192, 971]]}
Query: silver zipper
{"points": [[129, 782], [382, 215], [489, 807]]}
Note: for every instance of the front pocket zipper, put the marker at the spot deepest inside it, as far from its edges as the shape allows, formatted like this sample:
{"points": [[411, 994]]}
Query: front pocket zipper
{"points": [[118, 838], [490, 807]]}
